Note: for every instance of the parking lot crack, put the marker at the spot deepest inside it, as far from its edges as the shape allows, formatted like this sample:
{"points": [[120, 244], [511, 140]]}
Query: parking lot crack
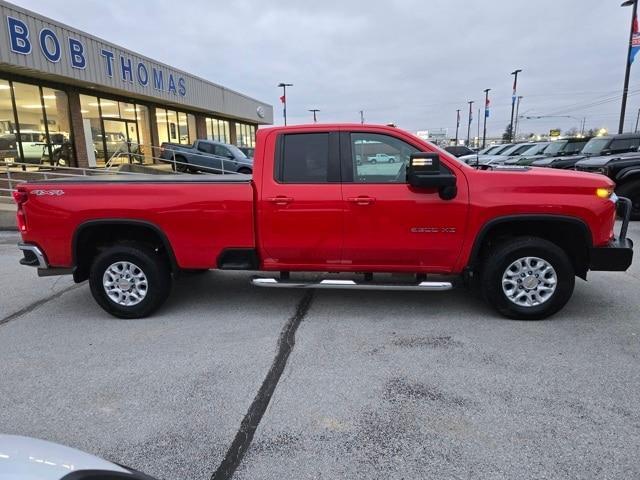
{"points": [[248, 426], [31, 307]]}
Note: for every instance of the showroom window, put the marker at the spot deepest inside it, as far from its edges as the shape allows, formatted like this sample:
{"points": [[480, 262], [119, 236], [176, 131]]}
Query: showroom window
{"points": [[245, 135], [35, 125], [175, 127], [119, 131], [218, 130]]}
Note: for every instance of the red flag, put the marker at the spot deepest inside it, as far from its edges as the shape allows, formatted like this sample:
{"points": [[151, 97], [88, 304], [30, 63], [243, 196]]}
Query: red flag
{"points": [[283, 99]]}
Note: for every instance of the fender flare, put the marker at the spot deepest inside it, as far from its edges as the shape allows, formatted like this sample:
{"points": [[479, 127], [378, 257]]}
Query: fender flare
{"points": [[628, 173]]}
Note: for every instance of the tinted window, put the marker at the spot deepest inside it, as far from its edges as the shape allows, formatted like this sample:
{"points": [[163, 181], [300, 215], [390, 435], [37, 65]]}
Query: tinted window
{"points": [[574, 147], [595, 145], [206, 148], [222, 151], [625, 144], [305, 158], [379, 158]]}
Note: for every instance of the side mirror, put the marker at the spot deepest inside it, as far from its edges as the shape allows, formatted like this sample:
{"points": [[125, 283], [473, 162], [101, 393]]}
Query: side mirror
{"points": [[424, 171], [606, 151]]}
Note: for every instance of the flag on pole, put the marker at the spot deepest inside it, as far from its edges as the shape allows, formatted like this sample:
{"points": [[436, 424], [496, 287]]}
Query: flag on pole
{"points": [[486, 108], [635, 41], [283, 99]]}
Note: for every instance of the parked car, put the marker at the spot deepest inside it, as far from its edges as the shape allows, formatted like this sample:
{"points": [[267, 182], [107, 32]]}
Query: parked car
{"points": [[459, 150], [25, 458], [309, 203], [505, 154], [206, 156], [605, 145], [559, 154], [624, 169], [485, 153], [248, 151], [523, 157], [381, 158]]}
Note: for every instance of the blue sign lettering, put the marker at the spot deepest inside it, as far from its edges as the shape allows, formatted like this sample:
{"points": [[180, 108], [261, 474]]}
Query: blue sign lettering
{"points": [[182, 88], [172, 85], [126, 73], [76, 54], [108, 56], [142, 74], [19, 36], [158, 81], [52, 56]]}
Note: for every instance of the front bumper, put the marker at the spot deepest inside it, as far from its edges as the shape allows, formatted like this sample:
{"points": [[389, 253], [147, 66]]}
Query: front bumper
{"points": [[618, 254]]}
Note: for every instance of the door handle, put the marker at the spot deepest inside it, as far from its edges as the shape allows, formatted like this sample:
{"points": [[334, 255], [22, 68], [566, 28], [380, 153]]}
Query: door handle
{"points": [[362, 200], [280, 200]]}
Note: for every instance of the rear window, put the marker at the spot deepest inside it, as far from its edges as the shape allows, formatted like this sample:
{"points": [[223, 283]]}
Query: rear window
{"points": [[304, 158]]}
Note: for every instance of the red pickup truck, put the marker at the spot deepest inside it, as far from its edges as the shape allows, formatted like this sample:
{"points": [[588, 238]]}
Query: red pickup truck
{"points": [[316, 203]]}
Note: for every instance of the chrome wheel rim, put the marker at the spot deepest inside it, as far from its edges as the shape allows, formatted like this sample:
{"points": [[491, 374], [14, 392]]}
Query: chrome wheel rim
{"points": [[529, 281], [125, 283]]}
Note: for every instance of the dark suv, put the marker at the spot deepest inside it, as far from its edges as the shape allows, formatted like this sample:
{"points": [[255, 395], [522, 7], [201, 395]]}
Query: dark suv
{"points": [[624, 169], [561, 153], [459, 150]]}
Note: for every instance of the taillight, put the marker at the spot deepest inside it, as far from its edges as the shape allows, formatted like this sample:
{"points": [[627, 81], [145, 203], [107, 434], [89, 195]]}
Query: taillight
{"points": [[20, 197]]}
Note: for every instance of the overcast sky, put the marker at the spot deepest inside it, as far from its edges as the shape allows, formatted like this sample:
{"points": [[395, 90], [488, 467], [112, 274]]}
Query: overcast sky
{"points": [[404, 61]]}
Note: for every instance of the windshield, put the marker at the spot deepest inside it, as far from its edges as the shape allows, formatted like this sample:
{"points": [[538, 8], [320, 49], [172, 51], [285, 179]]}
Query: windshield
{"points": [[595, 146], [503, 148], [534, 149], [556, 147]]}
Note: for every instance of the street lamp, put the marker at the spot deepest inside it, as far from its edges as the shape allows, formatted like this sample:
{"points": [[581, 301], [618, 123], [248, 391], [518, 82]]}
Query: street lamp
{"points": [[470, 102], [513, 101], [283, 99], [515, 126], [625, 88], [486, 114], [314, 111]]}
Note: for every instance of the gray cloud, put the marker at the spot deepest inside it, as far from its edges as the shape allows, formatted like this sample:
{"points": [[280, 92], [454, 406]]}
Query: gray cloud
{"points": [[408, 62]]}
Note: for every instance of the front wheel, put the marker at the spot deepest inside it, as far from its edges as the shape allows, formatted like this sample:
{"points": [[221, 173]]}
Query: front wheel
{"points": [[527, 278], [130, 280]]}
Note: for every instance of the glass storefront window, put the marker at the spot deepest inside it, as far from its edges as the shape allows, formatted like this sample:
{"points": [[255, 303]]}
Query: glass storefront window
{"points": [[172, 119], [8, 145], [183, 129], [90, 109], [32, 139], [58, 125], [191, 127]]}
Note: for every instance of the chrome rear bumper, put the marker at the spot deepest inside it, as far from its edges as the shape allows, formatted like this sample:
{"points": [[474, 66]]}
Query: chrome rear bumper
{"points": [[33, 256]]}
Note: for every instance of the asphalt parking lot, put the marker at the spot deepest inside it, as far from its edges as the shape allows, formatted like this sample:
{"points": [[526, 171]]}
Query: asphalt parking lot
{"points": [[377, 385]]}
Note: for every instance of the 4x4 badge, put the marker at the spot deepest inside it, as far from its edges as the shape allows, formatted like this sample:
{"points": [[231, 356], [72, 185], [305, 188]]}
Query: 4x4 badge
{"points": [[53, 193]]}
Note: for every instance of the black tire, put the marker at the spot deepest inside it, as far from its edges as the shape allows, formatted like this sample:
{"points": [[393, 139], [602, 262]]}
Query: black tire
{"points": [[631, 190], [183, 166], [504, 255], [155, 268], [245, 170]]}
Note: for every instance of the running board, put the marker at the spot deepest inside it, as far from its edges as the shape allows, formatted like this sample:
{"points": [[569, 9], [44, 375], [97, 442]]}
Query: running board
{"points": [[350, 284]]}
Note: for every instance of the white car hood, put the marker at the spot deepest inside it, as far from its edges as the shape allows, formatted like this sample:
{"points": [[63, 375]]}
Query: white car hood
{"points": [[23, 458]]}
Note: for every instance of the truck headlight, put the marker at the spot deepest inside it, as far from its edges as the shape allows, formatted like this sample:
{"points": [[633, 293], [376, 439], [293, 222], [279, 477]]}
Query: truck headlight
{"points": [[604, 192]]}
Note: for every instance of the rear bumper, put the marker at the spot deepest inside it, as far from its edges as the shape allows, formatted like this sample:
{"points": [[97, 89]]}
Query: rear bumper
{"points": [[618, 254], [33, 256]]}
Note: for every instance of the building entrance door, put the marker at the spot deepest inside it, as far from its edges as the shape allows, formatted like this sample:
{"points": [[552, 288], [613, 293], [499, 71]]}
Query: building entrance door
{"points": [[121, 139]]}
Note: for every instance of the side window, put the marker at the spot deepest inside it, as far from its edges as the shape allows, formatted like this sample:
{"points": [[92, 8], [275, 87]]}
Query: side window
{"points": [[625, 144], [222, 151], [304, 158], [206, 148], [379, 158]]}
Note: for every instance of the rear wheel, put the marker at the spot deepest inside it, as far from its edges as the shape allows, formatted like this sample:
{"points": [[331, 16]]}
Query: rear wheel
{"points": [[245, 170], [527, 278], [631, 190], [130, 280], [181, 165]]}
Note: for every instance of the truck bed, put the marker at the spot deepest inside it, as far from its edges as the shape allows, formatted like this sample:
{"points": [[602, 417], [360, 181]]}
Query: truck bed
{"points": [[200, 215]]}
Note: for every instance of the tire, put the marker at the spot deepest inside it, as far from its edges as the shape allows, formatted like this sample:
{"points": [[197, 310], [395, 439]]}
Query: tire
{"points": [[373, 160], [501, 263], [245, 171], [631, 190], [181, 167], [154, 268]]}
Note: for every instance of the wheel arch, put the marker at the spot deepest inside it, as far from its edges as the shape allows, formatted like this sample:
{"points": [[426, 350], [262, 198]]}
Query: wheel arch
{"points": [[114, 230], [627, 174], [569, 233]]}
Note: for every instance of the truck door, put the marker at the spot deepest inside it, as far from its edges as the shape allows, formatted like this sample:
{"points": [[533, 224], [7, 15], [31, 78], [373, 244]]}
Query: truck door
{"points": [[387, 223], [301, 210]]}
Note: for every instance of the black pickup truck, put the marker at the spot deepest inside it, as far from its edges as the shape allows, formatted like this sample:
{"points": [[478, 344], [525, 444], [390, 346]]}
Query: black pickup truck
{"points": [[624, 169]]}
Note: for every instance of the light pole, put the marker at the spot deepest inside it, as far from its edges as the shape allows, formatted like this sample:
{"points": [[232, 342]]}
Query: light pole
{"points": [[457, 124], [470, 102], [625, 88], [637, 118], [361, 117], [314, 111], [513, 101], [283, 99], [515, 127], [486, 114]]}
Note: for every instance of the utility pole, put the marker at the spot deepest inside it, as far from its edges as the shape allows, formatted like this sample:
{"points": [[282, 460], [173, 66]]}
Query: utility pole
{"points": [[283, 99], [314, 111], [362, 117], [515, 128], [625, 88], [457, 124], [637, 118], [477, 142], [486, 114], [513, 101], [470, 120], [584, 124]]}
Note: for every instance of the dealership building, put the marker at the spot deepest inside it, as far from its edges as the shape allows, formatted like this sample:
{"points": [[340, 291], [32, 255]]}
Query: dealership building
{"points": [[65, 93]]}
